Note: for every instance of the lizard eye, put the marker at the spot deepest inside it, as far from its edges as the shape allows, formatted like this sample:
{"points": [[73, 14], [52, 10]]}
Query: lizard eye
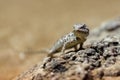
{"points": [[83, 26], [79, 26]]}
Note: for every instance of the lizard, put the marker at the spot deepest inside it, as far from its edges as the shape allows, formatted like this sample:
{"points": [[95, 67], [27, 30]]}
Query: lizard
{"points": [[71, 40]]}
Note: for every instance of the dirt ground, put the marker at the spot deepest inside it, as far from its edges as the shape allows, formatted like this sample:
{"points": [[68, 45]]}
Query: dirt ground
{"points": [[36, 24]]}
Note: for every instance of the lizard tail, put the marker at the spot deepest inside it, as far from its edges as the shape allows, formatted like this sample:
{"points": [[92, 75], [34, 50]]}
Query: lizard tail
{"points": [[41, 51]]}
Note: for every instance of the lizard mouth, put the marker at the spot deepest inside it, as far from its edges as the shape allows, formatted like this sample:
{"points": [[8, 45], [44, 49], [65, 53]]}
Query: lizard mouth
{"points": [[85, 30], [81, 29]]}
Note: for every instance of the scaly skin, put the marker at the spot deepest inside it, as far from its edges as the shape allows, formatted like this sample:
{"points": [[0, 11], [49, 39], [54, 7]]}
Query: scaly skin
{"points": [[71, 40]]}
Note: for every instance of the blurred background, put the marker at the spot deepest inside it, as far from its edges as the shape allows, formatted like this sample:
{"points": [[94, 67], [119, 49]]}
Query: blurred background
{"points": [[37, 24]]}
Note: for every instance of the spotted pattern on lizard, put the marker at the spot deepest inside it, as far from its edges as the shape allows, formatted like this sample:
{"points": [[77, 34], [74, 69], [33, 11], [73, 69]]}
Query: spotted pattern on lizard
{"points": [[71, 40]]}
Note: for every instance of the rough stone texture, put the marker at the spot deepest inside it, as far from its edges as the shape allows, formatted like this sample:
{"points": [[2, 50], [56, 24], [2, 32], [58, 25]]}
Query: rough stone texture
{"points": [[100, 59]]}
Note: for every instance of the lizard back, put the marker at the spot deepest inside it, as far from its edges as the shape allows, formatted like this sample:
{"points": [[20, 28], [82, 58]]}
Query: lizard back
{"points": [[71, 40]]}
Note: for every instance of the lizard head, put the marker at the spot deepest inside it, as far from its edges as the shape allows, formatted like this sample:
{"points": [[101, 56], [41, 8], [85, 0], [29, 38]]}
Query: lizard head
{"points": [[81, 29]]}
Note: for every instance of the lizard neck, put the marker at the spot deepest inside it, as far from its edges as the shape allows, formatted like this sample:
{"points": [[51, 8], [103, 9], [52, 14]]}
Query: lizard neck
{"points": [[79, 34]]}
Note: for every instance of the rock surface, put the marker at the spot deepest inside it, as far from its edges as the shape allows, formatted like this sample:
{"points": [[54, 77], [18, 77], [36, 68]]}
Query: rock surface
{"points": [[100, 59]]}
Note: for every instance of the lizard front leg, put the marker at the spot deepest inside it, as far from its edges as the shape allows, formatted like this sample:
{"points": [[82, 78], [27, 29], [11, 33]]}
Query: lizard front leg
{"points": [[76, 48], [81, 46], [64, 47]]}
